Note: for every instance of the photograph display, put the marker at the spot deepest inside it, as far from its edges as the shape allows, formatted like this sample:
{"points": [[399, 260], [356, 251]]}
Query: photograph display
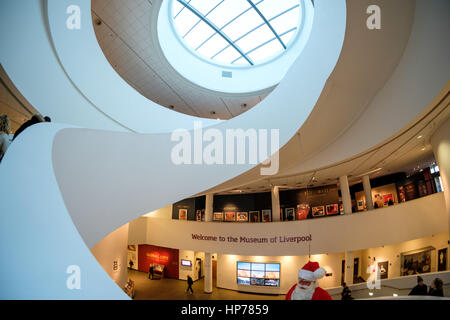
{"points": [[182, 214], [290, 214], [442, 260], [318, 211], [383, 269], [415, 262], [218, 216], [258, 274], [254, 216], [230, 216], [267, 215], [242, 216], [302, 211], [332, 209]]}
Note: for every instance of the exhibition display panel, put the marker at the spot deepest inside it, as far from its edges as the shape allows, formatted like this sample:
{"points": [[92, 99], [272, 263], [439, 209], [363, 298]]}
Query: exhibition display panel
{"points": [[258, 274]]}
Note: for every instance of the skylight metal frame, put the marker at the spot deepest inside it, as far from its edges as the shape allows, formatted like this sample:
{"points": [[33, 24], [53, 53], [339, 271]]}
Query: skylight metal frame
{"points": [[217, 30]]}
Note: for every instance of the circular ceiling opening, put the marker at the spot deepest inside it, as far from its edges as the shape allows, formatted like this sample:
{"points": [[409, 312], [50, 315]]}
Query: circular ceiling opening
{"points": [[236, 33]]}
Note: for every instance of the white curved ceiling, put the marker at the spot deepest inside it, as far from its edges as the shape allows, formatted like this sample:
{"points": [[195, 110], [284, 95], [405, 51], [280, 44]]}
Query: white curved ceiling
{"points": [[126, 35]]}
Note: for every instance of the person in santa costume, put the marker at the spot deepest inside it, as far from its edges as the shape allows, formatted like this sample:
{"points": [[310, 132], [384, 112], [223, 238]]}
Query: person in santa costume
{"points": [[307, 288]]}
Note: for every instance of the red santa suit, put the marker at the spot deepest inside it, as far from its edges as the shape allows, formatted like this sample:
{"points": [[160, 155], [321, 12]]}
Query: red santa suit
{"points": [[310, 272]]}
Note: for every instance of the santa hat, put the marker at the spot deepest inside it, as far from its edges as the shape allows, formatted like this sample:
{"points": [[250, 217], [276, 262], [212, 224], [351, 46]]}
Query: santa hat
{"points": [[311, 271]]}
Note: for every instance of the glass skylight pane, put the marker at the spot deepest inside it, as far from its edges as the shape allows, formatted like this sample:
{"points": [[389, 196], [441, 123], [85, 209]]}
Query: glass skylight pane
{"points": [[255, 38], [214, 45], [286, 21], [243, 24], [228, 11], [238, 21], [204, 6], [266, 51], [227, 55], [185, 21], [272, 8], [176, 8], [199, 34], [288, 37]]}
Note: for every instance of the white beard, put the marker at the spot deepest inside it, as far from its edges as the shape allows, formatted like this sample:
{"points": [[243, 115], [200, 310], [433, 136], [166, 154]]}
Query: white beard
{"points": [[303, 294]]}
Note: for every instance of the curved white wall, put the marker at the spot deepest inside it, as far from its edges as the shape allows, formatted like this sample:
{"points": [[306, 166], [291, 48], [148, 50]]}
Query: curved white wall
{"points": [[407, 221]]}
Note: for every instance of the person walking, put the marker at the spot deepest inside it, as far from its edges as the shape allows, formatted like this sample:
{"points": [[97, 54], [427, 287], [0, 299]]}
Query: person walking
{"points": [[190, 282], [420, 289]]}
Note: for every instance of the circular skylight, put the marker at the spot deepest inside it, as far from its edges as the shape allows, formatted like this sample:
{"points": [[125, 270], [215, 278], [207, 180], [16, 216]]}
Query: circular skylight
{"points": [[237, 32]]}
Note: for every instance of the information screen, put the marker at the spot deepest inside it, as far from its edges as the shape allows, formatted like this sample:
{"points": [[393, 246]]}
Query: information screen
{"points": [[258, 274]]}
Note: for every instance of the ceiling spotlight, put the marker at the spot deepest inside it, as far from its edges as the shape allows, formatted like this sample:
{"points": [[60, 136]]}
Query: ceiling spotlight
{"points": [[420, 137], [244, 105], [370, 293], [98, 22], [213, 112], [423, 149]]}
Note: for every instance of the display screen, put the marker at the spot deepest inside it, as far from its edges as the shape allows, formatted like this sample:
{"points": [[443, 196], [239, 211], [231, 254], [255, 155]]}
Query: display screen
{"points": [[258, 274], [187, 263]]}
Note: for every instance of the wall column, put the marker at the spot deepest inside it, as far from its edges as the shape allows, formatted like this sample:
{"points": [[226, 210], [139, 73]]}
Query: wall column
{"points": [[349, 266], [209, 207], [440, 141], [367, 192], [275, 193], [345, 193], [208, 273]]}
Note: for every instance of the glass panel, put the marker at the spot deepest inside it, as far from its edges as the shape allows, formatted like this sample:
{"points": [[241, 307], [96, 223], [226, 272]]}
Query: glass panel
{"points": [[242, 25], [205, 6], [288, 37], [266, 51], [272, 8], [211, 47], [227, 55], [228, 11], [199, 34], [185, 21], [176, 8], [286, 21], [255, 38]]}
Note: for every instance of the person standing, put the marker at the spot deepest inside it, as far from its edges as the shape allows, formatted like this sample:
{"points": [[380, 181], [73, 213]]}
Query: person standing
{"points": [[150, 272], [190, 282], [346, 293], [307, 287], [437, 288], [5, 128], [420, 289]]}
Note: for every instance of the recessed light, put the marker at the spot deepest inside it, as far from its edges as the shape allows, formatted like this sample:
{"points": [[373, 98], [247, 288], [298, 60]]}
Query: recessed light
{"points": [[420, 137], [213, 112]]}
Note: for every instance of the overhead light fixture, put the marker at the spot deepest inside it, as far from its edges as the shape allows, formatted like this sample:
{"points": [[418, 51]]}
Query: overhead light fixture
{"points": [[213, 112], [395, 295], [370, 293], [420, 137]]}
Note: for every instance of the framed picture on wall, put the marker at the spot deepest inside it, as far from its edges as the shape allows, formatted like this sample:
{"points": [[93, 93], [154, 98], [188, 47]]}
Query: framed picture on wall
{"points": [[254, 216], [290, 214], [198, 215], [332, 209], [416, 261], [242, 216], [230, 216], [341, 208], [266, 215], [182, 214], [218, 216], [318, 211], [388, 199], [303, 211], [442, 259], [383, 268], [360, 205]]}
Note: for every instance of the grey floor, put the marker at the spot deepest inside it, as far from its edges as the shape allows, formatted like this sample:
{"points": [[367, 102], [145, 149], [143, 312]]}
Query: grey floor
{"points": [[172, 289]]}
